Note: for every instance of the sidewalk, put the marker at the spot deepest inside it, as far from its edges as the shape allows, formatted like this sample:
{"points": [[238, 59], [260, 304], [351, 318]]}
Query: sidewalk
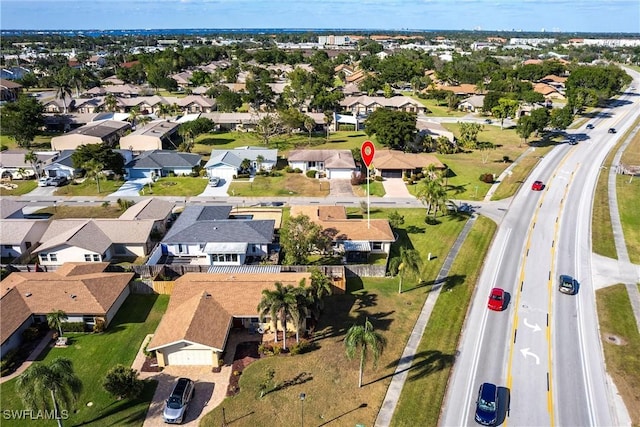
{"points": [[48, 338], [402, 370]]}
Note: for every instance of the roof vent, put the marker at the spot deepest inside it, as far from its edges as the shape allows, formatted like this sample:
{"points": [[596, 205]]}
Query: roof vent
{"points": [[28, 294], [73, 296]]}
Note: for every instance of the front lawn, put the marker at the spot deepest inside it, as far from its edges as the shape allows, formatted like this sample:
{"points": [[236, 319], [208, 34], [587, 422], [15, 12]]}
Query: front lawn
{"points": [[287, 184], [112, 210], [328, 379], [185, 186], [375, 189], [89, 187], [24, 186], [93, 355]]}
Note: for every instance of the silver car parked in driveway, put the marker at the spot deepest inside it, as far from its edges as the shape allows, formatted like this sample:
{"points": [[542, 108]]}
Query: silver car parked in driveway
{"points": [[176, 406]]}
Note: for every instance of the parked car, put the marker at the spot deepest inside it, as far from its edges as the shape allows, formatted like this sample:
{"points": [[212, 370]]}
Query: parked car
{"points": [[590, 126], [567, 285], [58, 181], [176, 406], [537, 186], [214, 181], [487, 121], [487, 404], [612, 130], [44, 181], [496, 299]]}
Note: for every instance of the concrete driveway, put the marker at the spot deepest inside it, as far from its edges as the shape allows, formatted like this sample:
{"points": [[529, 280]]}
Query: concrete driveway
{"points": [[340, 187], [42, 191], [210, 389], [395, 187], [220, 191], [131, 188]]}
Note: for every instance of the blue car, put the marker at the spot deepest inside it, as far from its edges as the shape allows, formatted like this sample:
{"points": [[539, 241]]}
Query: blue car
{"points": [[487, 405]]}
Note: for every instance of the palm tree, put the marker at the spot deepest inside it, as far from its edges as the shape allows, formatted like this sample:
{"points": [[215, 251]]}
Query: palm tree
{"points": [[302, 307], [433, 194], [309, 124], [143, 120], [410, 264], [92, 169], [320, 287], [279, 304], [365, 338], [63, 89], [134, 113], [328, 120], [42, 386], [259, 161], [110, 102], [56, 318], [32, 158]]}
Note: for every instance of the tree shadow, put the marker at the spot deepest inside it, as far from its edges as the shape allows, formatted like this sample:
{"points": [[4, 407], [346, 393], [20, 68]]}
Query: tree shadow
{"points": [[362, 405], [215, 141], [380, 320], [446, 283], [364, 300], [301, 378], [412, 229], [424, 363]]}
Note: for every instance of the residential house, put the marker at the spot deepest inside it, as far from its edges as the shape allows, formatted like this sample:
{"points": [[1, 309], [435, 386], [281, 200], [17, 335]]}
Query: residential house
{"points": [[101, 132], [13, 164], [150, 137], [13, 73], [95, 61], [59, 105], [203, 309], [9, 90], [464, 89], [205, 235], [355, 238], [84, 292], [11, 209], [159, 211], [549, 92], [338, 164], [472, 104], [365, 104], [434, 129], [396, 164], [225, 164], [160, 163], [94, 240], [62, 165], [183, 79], [19, 236]]}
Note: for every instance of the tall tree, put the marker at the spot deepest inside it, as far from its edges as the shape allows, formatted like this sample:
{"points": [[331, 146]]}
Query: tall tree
{"points": [[93, 169], [123, 382], [32, 158], [279, 304], [22, 119], [63, 89], [299, 236], [56, 318], [53, 386], [365, 339], [393, 129], [328, 120], [433, 194]]}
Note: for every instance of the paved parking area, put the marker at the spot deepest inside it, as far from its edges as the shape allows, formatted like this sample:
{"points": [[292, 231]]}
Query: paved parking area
{"points": [[395, 187], [42, 191]]}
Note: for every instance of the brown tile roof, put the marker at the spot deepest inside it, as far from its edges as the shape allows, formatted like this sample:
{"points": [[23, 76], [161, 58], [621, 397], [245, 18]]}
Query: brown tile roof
{"points": [[393, 159], [553, 78], [152, 208], [14, 313], [334, 219], [202, 305], [333, 159], [463, 88], [76, 289], [544, 88]]}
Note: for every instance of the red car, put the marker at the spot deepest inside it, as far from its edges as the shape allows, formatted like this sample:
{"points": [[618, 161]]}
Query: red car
{"points": [[496, 299], [537, 186]]}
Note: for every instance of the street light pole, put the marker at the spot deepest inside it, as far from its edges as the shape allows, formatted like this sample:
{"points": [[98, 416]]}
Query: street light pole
{"points": [[302, 397]]}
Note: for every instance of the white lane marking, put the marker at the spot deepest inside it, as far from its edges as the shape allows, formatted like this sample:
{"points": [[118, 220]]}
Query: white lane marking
{"points": [[474, 365], [525, 352], [536, 327]]}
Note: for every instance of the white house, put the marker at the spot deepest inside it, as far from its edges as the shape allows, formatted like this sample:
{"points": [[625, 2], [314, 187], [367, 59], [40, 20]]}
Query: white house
{"points": [[19, 236], [226, 163], [337, 164]]}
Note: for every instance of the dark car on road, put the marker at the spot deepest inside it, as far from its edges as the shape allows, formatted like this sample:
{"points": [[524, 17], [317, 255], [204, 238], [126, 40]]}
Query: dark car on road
{"points": [[176, 406], [590, 126], [58, 181], [487, 405], [567, 285], [612, 130]]}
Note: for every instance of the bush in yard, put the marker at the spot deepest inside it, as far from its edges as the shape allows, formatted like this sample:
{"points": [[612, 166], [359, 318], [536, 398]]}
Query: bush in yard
{"points": [[487, 177], [123, 382], [378, 178], [301, 347], [31, 333], [98, 326], [288, 169], [9, 362], [73, 327], [297, 170], [311, 173]]}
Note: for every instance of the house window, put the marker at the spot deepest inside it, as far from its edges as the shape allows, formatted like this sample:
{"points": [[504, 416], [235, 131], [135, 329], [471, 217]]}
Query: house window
{"points": [[44, 257], [90, 320], [312, 164], [87, 257], [377, 246], [53, 257], [96, 257]]}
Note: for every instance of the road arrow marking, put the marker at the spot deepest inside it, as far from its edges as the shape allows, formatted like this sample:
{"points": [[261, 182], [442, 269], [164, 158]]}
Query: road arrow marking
{"points": [[525, 352], [535, 327]]}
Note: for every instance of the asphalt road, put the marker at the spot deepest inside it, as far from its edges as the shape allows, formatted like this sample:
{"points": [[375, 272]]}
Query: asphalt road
{"points": [[544, 351]]}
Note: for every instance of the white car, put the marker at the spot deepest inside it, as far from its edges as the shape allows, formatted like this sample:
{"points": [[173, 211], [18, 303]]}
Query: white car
{"points": [[44, 182], [214, 181]]}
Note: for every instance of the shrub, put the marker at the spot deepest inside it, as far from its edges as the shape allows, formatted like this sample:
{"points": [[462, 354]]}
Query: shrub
{"points": [[9, 362], [274, 173], [357, 179], [99, 326], [297, 170], [288, 169], [31, 333], [302, 347], [378, 178], [106, 204], [73, 327], [123, 382], [311, 173], [487, 177]]}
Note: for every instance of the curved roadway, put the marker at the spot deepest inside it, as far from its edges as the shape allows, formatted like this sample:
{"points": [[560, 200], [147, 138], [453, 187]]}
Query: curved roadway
{"points": [[543, 351]]}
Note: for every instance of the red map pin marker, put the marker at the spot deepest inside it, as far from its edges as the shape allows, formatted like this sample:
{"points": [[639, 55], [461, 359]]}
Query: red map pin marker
{"points": [[367, 151]]}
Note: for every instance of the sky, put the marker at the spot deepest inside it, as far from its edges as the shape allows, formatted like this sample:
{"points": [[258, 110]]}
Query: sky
{"points": [[491, 15]]}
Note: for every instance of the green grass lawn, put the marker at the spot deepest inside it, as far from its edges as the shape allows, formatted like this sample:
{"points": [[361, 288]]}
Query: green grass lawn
{"points": [[435, 109], [375, 189], [331, 387], [287, 184], [66, 211], [24, 187], [94, 354], [89, 187], [177, 186], [628, 192], [623, 361]]}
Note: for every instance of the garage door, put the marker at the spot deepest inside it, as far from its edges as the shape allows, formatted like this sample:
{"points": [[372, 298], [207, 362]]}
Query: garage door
{"points": [[139, 173], [392, 173], [339, 173], [222, 172], [190, 357]]}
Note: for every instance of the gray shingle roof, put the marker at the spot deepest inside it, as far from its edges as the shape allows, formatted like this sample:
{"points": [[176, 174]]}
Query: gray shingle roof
{"points": [[193, 213], [159, 159], [227, 230]]}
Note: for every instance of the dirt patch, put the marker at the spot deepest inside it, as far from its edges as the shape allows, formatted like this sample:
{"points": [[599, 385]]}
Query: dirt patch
{"points": [[614, 339], [150, 365]]}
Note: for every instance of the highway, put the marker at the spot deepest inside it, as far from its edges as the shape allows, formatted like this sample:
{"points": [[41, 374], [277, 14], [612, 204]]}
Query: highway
{"points": [[543, 351]]}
